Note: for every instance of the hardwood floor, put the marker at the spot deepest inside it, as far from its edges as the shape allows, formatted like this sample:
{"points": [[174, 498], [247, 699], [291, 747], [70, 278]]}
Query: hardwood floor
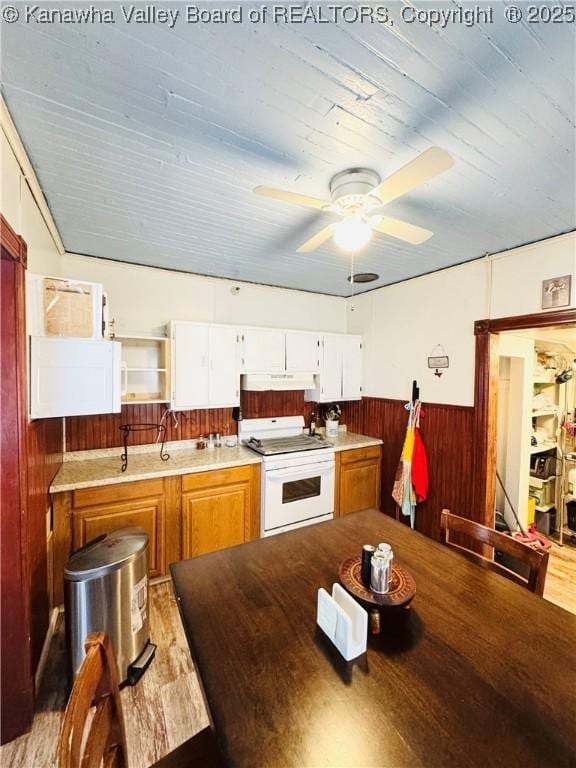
{"points": [[164, 709], [561, 577]]}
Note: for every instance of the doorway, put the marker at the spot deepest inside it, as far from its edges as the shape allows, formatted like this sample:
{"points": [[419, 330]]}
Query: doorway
{"points": [[508, 365]]}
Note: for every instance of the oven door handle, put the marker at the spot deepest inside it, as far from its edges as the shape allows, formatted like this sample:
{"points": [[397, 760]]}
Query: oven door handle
{"points": [[300, 473]]}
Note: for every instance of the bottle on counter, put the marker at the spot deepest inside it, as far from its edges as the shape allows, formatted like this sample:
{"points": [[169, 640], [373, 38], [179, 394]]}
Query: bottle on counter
{"points": [[313, 423], [200, 443]]}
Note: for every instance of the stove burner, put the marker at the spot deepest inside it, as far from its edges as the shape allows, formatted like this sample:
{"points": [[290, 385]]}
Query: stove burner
{"points": [[278, 445]]}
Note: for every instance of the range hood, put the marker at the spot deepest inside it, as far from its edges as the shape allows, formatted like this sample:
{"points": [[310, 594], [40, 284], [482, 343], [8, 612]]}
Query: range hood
{"points": [[261, 382]]}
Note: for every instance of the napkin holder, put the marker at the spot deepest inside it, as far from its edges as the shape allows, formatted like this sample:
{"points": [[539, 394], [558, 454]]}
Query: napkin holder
{"points": [[344, 621]]}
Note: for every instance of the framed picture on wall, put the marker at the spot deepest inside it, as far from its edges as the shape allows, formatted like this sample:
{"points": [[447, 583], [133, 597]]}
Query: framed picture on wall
{"points": [[556, 292]]}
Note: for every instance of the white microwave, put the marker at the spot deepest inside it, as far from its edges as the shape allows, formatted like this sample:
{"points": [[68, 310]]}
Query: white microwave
{"points": [[57, 306]]}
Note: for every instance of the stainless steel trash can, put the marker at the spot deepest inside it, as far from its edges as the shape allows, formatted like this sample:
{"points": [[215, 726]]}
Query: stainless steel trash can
{"points": [[106, 590]]}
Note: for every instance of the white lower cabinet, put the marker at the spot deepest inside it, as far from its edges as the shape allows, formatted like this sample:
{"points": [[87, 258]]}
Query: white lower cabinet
{"points": [[205, 370], [73, 376]]}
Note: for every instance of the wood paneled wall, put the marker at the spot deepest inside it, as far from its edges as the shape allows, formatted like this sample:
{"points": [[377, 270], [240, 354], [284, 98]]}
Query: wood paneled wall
{"points": [[265, 405], [45, 446], [446, 431], [88, 432], [448, 438]]}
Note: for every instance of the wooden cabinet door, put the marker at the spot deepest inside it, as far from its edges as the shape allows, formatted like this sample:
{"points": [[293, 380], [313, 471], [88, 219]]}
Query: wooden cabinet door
{"points": [[351, 367], [302, 352], [358, 479], [224, 371], [219, 509], [263, 350], [190, 372], [145, 503]]}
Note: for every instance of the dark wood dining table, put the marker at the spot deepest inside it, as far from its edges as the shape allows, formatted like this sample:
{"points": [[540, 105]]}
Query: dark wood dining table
{"points": [[477, 672]]}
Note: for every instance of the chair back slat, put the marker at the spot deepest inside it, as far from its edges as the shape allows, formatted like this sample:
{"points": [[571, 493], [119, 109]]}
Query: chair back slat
{"points": [[96, 684], [535, 559]]}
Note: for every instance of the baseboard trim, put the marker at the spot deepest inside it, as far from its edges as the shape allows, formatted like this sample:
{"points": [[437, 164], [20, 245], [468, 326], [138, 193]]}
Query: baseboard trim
{"points": [[55, 612]]}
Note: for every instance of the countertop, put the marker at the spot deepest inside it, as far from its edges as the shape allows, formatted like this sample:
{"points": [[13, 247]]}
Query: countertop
{"points": [[88, 469]]}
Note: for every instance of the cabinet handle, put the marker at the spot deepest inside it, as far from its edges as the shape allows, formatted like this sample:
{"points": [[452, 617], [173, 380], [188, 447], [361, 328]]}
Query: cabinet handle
{"points": [[242, 362]]}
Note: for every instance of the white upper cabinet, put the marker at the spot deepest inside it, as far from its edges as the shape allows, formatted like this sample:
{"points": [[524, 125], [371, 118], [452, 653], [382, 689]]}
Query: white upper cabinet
{"points": [[302, 352], [207, 361], [340, 376], [263, 350], [331, 372], [205, 370], [352, 367], [190, 385], [73, 376], [224, 379]]}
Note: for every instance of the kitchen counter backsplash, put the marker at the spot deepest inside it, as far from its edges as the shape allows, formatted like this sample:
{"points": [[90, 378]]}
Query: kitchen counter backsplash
{"points": [[87, 469], [103, 431]]}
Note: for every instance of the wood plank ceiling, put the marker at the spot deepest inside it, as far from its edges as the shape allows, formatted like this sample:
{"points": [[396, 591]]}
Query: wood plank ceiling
{"points": [[148, 141]]}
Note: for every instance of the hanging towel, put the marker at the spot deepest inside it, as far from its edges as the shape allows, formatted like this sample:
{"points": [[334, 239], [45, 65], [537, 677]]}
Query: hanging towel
{"points": [[411, 481], [419, 468]]}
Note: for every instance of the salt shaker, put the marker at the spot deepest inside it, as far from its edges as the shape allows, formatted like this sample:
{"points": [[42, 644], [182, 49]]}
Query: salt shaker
{"points": [[381, 572]]}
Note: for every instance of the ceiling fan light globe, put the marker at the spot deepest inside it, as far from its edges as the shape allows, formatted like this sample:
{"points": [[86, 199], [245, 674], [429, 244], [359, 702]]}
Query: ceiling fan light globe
{"points": [[352, 235]]}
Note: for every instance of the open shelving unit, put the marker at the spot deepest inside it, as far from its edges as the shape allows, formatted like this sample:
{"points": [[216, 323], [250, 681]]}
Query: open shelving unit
{"points": [[145, 368]]}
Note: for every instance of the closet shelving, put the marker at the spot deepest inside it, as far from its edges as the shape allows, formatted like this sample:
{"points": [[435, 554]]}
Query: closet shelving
{"points": [[145, 369], [555, 401]]}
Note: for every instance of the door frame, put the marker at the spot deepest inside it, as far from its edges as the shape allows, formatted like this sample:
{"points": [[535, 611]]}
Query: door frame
{"points": [[487, 333], [17, 689]]}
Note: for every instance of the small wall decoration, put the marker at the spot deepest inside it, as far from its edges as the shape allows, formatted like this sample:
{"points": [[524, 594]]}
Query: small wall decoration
{"points": [[556, 292], [437, 360]]}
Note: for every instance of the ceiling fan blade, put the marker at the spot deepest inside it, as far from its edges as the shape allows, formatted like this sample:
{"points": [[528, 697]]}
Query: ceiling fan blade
{"points": [[430, 163], [410, 233], [318, 239], [293, 197]]}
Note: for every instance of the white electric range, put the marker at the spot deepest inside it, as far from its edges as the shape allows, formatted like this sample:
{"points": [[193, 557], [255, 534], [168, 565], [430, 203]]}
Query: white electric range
{"points": [[297, 473]]}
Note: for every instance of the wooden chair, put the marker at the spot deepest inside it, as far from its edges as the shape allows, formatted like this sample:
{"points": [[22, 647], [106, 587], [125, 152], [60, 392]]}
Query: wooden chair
{"points": [[536, 560], [96, 683], [105, 742]]}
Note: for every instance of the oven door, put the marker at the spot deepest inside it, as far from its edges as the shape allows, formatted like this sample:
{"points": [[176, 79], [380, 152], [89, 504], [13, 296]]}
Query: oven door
{"points": [[297, 496]]}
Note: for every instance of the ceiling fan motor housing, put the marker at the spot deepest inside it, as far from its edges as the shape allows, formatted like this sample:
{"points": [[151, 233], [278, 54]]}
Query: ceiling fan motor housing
{"points": [[349, 187]]}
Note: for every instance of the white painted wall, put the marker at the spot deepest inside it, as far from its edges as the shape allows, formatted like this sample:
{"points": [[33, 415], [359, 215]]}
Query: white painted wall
{"points": [[402, 323], [143, 299], [20, 210], [517, 275]]}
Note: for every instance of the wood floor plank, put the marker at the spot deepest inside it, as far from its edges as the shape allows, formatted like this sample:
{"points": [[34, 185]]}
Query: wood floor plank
{"points": [[560, 585], [164, 709]]}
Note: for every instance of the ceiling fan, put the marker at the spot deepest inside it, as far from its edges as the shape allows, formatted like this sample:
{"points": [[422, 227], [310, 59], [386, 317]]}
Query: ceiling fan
{"points": [[358, 196]]}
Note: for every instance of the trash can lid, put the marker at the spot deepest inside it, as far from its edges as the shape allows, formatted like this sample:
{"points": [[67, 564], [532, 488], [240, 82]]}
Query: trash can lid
{"points": [[106, 554]]}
